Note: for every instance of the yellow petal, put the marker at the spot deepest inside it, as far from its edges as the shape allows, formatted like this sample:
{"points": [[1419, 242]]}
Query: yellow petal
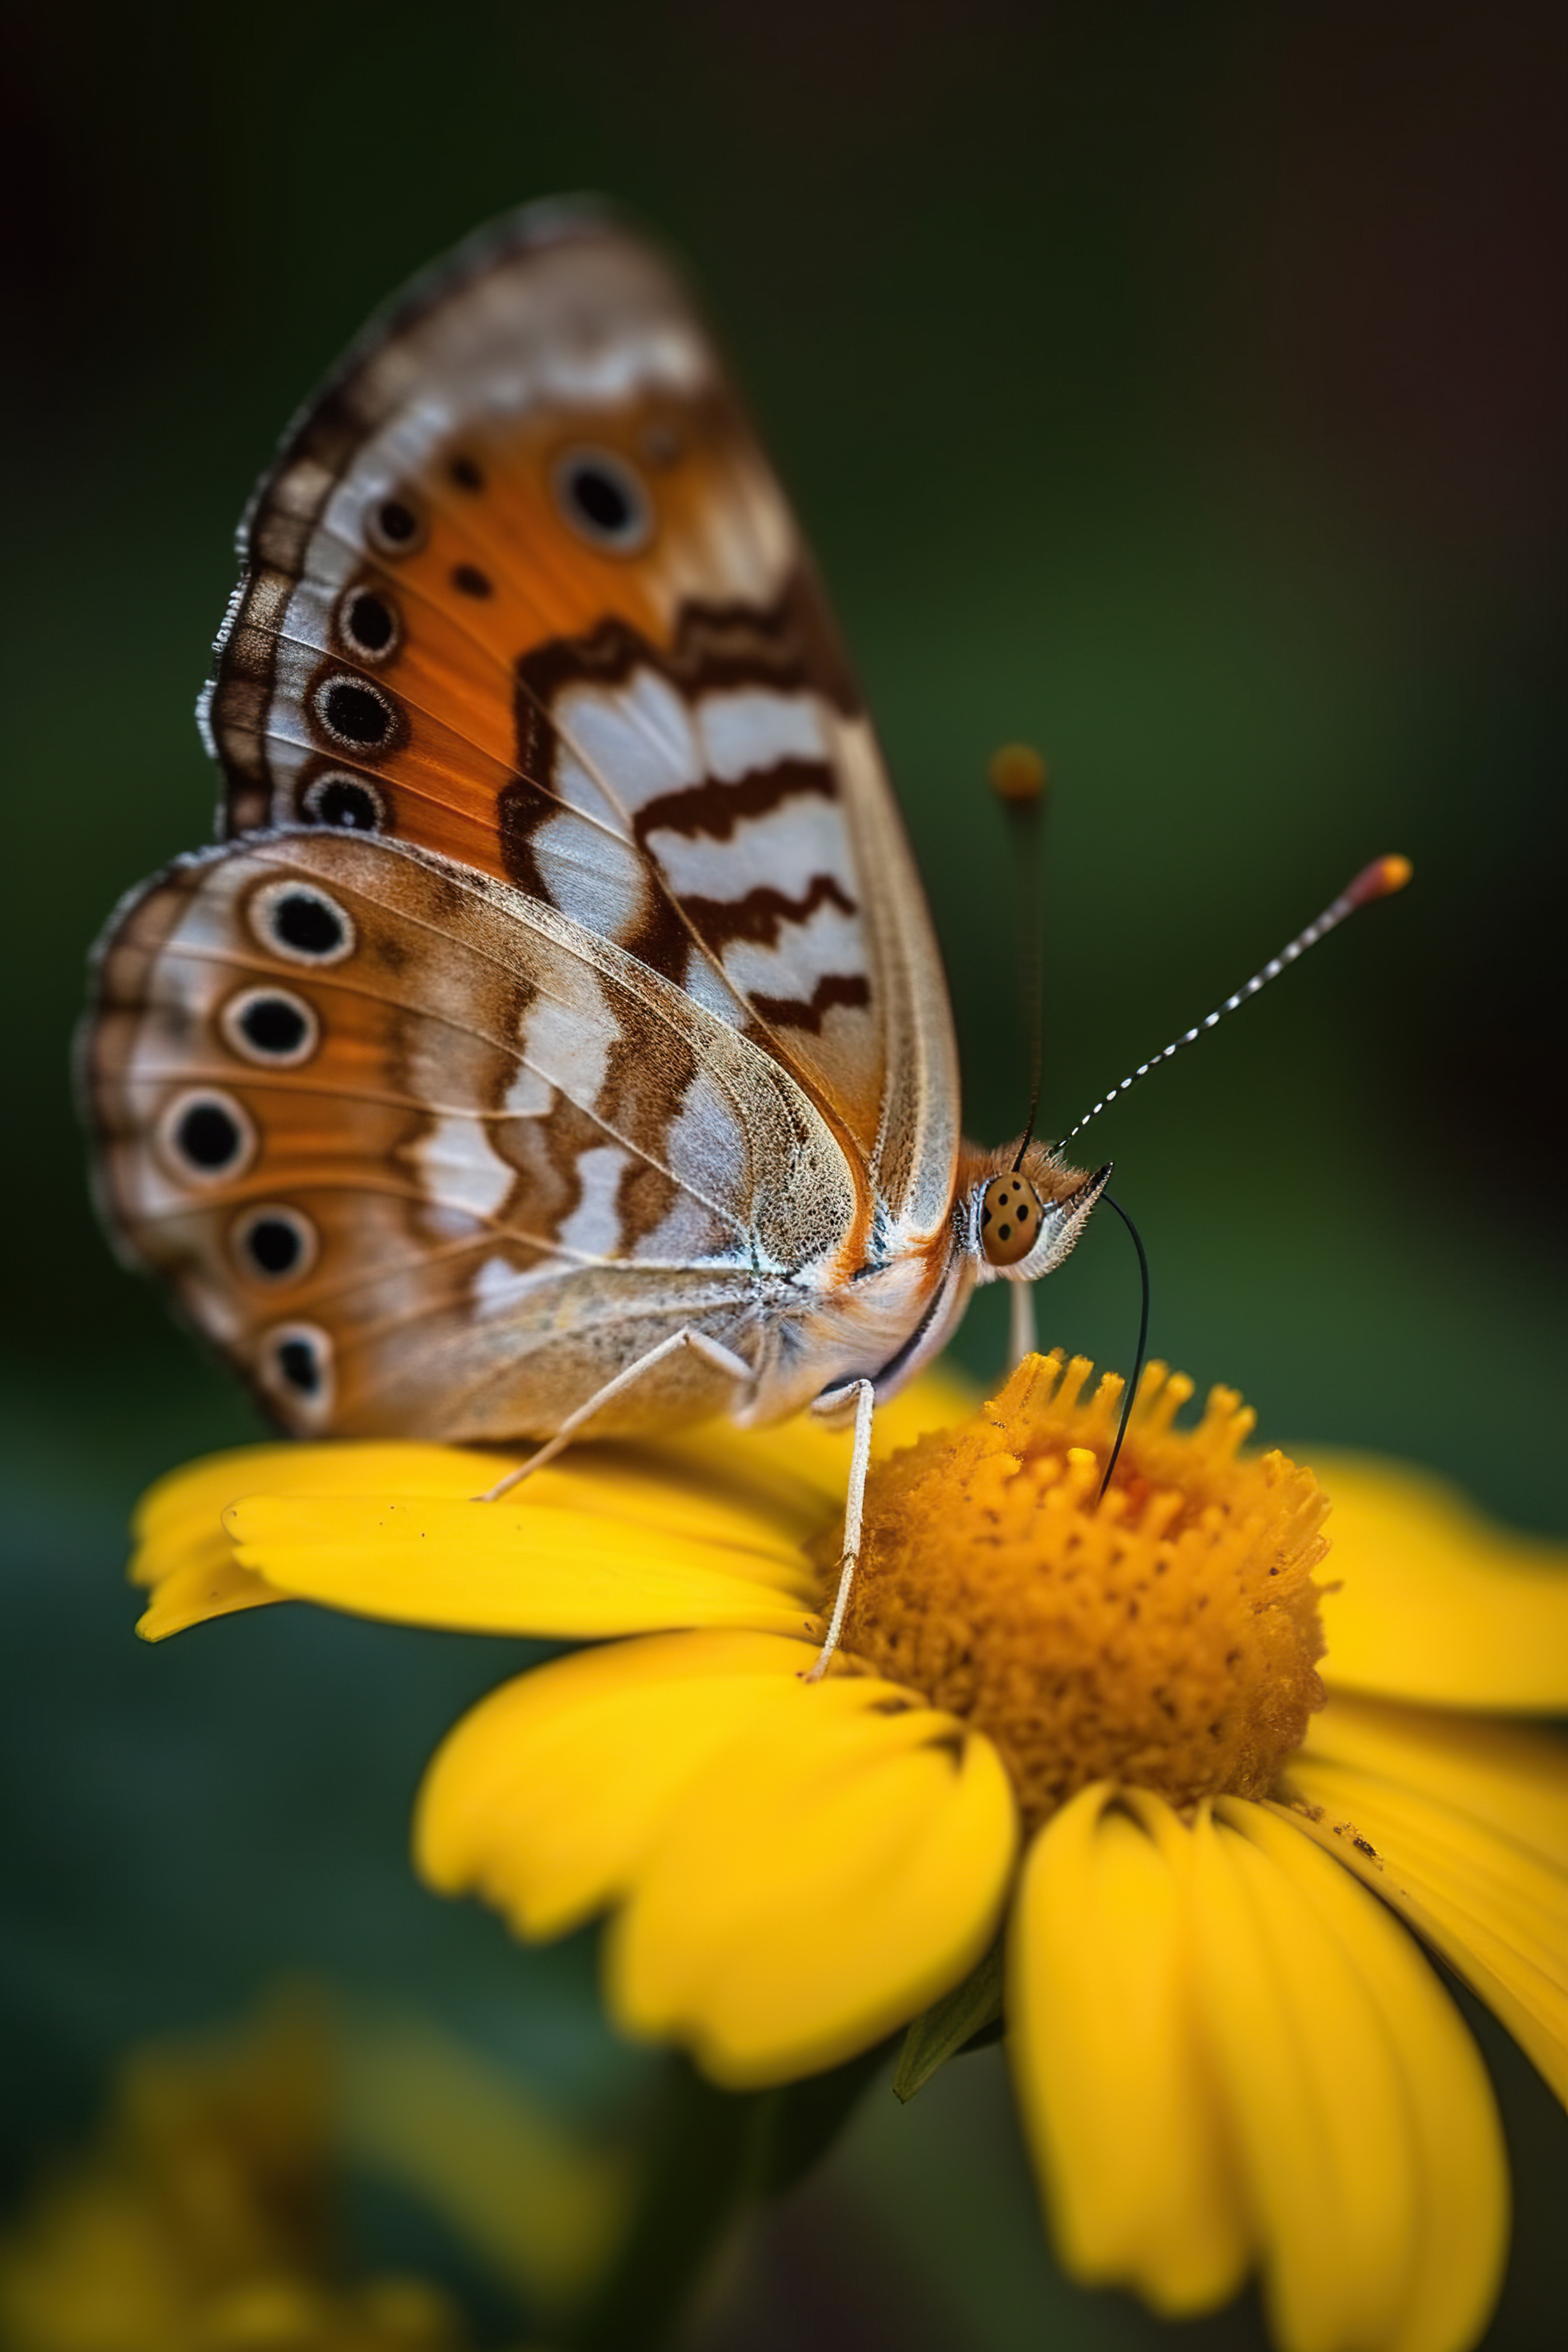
{"points": [[513, 1567], [606, 1540], [762, 1494], [827, 1873], [800, 1469], [1511, 1780], [1456, 2135], [1108, 2058], [188, 1503], [182, 1552], [546, 1796], [1438, 1604], [1315, 2098], [1494, 1903], [210, 1583]]}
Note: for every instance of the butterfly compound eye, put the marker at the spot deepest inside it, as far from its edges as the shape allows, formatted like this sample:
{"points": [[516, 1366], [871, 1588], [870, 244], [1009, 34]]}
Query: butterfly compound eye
{"points": [[604, 501], [1010, 1219]]}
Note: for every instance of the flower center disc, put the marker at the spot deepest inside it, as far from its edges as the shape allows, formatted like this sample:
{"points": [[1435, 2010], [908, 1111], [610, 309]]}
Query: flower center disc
{"points": [[1165, 1636]]}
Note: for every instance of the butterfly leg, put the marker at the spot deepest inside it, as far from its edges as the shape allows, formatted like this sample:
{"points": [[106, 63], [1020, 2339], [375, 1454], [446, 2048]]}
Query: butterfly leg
{"points": [[1022, 1337], [723, 1359], [864, 1397]]}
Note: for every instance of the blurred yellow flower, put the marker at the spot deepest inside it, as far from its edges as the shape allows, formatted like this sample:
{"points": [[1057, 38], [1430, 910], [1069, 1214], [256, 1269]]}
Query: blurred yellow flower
{"points": [[204, 2215], [202, 2219], [1096, 1729]]}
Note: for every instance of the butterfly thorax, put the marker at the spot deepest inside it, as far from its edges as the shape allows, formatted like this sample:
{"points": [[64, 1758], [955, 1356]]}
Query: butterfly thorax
{"points": [[1015, 1213]]}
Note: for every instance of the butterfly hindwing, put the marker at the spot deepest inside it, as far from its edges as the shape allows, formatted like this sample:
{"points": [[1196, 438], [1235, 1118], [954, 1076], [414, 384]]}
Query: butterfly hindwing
{"points": [[419, 1152], [522, 590]]}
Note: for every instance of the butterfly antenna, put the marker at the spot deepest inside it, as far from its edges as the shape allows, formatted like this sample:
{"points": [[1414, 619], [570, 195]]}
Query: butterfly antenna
{"points": [[1128, 1395], [1381, 879], [1019, 778]]}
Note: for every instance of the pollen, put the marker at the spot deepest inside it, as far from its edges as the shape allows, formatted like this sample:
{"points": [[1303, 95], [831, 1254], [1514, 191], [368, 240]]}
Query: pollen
{"points": [[1165, 1636]]}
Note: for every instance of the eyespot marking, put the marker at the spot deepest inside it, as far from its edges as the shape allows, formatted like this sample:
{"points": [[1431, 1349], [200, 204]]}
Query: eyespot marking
{"points": [[603, 500], [395, 526], [296, 1367], [270, 1027], [273, 1244], [208, 1136], [350, 803], [353, 712], [302, 924], [368, 625]]}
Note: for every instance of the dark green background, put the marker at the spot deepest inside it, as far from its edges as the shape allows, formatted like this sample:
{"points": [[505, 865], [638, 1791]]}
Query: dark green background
{"points": [[1180, 388]]}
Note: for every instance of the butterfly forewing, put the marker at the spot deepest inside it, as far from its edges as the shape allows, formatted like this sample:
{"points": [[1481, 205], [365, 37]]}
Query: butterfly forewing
{"points": [[523, 591]]}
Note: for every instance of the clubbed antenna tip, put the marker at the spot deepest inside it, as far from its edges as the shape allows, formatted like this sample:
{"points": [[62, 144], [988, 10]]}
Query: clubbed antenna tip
{"points": [[1018, 774], [1381, 879]]}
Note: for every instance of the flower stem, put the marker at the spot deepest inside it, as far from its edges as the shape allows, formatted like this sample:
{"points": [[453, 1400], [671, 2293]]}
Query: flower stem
{"points": [[710, 2157]]}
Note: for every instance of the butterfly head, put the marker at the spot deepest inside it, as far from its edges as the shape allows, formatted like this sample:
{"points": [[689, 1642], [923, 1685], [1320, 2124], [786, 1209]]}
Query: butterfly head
{"points": [[1025, 1211]]}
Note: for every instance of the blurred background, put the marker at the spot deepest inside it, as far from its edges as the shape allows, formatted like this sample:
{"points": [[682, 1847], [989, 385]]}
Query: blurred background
{"points": [[1182, 390]]}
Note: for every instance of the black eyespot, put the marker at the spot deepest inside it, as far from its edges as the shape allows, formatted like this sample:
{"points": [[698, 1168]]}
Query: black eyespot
{"points": [[368, 622], [274, 1246], [469, 581], [603, 500], [297, 921], [275, 1243], [344, 801], [208, 1135], [599, 499], [301, 1365], [354, 713], [274, 1024], [1004, 1233], [465, 474], [397, 522], [268, 1024], [296, 1364], [309, 925]]}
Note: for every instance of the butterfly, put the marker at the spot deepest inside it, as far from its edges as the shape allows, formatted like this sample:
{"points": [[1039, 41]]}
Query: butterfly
{"points": [[556, 1035]]}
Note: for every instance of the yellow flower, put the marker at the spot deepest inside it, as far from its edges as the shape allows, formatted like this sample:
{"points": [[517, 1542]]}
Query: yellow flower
{"points": [[202, 2218], [204, 2215], [1097, 1730]]}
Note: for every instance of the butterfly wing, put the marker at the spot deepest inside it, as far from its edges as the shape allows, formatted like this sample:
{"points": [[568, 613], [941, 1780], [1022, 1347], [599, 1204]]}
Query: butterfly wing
{"points": [[522, 590], [419, 1153]]}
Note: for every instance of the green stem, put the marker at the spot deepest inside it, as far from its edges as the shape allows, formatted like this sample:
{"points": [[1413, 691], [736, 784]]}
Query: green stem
{"points": [[711, 2156]]}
